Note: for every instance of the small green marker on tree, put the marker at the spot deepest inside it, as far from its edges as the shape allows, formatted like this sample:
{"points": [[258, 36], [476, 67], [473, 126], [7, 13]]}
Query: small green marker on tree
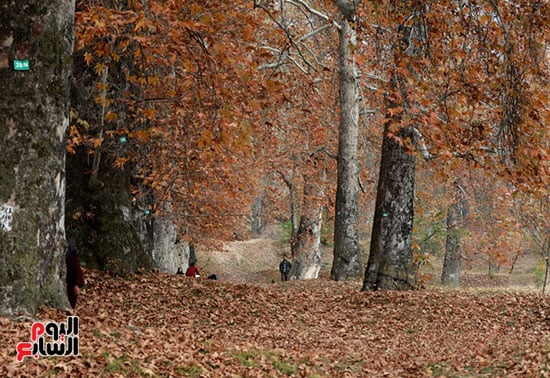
{"points": [[384, 215], [123, 139], [147, 212], [21, 65]]}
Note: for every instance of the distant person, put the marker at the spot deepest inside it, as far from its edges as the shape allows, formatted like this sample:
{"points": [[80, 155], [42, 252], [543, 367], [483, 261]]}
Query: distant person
{"points": [[284, 268], [192, 271], [180, 271], [75, 276]]}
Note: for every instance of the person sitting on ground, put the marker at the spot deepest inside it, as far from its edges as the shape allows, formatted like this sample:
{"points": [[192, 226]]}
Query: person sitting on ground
{"points": [[192, 271], [284, 268]]}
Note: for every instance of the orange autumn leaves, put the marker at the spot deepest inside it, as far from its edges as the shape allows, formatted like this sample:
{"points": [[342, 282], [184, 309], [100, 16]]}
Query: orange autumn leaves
{"points": [[182, 82], [161, 324], [207, 122]]}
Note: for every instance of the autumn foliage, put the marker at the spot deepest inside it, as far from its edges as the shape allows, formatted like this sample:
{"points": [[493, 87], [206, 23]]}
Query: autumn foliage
{"points": [[218, 102], [177, 80]]}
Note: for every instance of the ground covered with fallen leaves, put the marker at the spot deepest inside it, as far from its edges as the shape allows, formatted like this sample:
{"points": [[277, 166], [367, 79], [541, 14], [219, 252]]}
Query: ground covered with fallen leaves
{"points": [[165, 325]]}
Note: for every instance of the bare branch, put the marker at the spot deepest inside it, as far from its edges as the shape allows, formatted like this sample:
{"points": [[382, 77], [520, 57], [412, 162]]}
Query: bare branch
{"points": [[361, 186], [310, 9], [271, 65], [376, 77], [314, 32], [420, 144]]}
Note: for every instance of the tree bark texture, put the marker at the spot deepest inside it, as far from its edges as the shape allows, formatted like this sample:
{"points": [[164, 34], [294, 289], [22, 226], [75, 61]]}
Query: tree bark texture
{"points": [[390, 259], [451, 264], [34, 115], [306, 246], [113, 231], [258, 221], [346, 261], [290, 182], [118, 237], [390, 264]]}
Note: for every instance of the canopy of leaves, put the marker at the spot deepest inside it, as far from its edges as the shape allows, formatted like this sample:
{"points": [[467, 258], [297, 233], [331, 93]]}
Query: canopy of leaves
{"points": [[182, 89], [216, 96]]}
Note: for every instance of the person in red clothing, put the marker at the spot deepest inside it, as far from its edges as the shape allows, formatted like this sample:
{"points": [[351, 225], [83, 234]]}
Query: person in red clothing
{"points": [[192, 271], [75, 277]]}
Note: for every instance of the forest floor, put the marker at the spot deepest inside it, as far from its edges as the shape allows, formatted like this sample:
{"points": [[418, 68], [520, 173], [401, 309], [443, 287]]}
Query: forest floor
{"points": [[245, 325]]}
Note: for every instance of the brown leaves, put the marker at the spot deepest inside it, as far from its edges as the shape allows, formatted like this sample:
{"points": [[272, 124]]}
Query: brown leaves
{"points": [[160, 324]]}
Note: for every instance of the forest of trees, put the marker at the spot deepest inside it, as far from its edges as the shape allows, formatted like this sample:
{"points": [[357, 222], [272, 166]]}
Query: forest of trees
{"points": [[405, 128]]}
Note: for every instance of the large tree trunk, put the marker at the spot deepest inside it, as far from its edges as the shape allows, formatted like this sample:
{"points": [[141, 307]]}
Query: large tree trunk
{"points": [[306, 246], [451, 263], [294, 208], [108, 224], [34, 115], [346, 261], [390, 264], [257, 222], [390, 260]]}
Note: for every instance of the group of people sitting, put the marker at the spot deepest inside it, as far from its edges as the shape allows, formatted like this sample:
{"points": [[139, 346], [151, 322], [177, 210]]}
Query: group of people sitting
{"points": [[75, 276], [193, 271]]}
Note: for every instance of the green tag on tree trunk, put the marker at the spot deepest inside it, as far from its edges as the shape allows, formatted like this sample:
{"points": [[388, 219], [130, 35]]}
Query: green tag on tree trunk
{"points": [[21, 65]]}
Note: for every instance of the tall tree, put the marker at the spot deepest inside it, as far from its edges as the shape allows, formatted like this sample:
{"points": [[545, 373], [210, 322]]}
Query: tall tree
{"points": [[346, 253], [304, 59], [306, 245], [35, 65], [346, 262], [390, 264], [450, 274]]}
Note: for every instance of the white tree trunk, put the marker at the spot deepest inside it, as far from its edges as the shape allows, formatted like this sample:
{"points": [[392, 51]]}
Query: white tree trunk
{"points": [[346, 240]]}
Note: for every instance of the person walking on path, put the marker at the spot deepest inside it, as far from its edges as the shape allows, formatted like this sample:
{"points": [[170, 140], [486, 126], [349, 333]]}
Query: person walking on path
{"points": [[284, 268]]}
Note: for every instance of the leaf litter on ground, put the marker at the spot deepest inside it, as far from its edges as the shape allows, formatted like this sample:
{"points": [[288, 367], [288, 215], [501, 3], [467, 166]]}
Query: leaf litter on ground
{"points": [[158, 324]]}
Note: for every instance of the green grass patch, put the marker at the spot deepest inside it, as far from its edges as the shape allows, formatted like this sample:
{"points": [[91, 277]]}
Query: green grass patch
{"points": [[252, 359], [190, 371], [97, 333], [247, 358], [351, 364], [116, 365], [282, 366], [122, 365]]}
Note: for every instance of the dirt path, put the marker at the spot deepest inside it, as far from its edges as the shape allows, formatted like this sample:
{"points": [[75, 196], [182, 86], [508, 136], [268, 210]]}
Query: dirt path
{"points": [[251, 261], [256, 262]]}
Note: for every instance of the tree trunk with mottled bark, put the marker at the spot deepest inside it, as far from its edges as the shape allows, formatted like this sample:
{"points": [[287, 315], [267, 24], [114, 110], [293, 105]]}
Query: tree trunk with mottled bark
{"points": [[34, 115], [306, 246], [451, 264], [390, 259], [346, 261], [289, 181], [390, 264]]}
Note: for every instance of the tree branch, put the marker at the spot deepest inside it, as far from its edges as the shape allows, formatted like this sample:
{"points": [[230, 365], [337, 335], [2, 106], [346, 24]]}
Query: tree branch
{"points": [[312, 11], [420, 144]]}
